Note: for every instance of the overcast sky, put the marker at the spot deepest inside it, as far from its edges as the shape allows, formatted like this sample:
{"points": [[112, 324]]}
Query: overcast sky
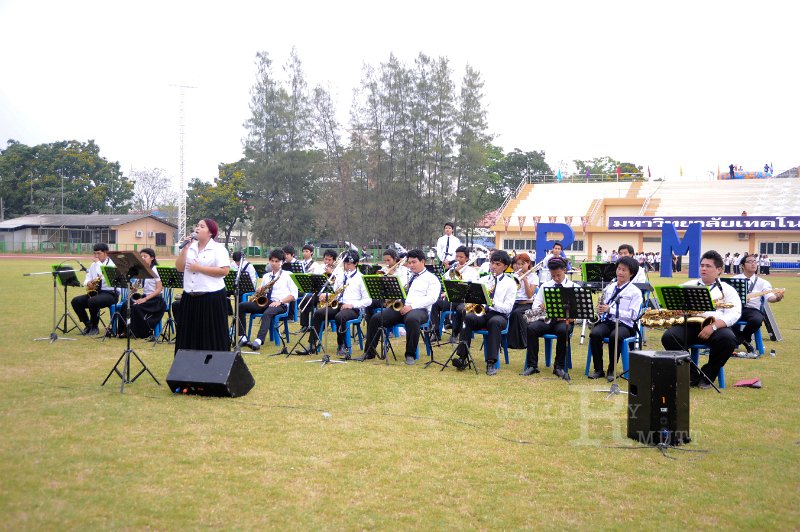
{"points": [[662, 84]]}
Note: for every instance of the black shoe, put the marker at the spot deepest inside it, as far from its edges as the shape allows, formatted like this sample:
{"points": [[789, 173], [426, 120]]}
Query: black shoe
{"points": [[491, 369], [610, 377], [453, 339], [94, 331], [560, 373], [597, 375], [459, 363], [86, 330], [410, 360], [303, 330], [312, 350], [530, 370], [748, 346], [254, 346], [365, 357], [704, 385]]}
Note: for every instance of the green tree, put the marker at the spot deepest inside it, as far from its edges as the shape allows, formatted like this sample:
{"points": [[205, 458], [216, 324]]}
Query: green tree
{"points": [[65, 176], [226, 200]]}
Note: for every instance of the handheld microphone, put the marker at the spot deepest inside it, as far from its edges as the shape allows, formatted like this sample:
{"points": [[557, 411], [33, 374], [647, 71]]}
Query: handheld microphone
{"points": [[186, 242]]}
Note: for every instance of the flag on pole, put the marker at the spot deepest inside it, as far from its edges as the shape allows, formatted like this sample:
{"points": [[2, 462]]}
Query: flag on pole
{"points": [[649, 175], [618, 172]]}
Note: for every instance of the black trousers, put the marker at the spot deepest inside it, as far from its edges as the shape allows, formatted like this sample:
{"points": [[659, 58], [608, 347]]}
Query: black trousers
{"points": [[605, 329], [539, 328], [102, 300], [310, 307], [389, 317], [518, 326], [754, 319], [268, 312], [340, 316], [456, 318], [720, 344], [493, 322]]}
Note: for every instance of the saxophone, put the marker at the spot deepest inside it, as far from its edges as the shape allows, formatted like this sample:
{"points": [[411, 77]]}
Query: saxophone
{"points": [[260, 295], [600, 301], [665, 318], [93, 287], [332, 300], [477, 308]]}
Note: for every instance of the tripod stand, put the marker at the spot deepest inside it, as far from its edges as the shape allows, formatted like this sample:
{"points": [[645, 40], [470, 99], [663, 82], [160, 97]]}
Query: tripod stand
{"points": [[171, 279], [472, 293], [233, 283], [129, 265], [66, 277], [569, 304], [313, 284], [384, 288]]}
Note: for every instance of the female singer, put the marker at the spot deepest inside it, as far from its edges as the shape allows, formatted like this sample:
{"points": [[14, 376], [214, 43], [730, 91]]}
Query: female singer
{"points": [[203, 320], [518, 327]]}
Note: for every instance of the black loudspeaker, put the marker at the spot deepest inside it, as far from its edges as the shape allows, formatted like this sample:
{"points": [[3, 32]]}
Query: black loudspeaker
{"points": [[212, 373], [658, 397]]}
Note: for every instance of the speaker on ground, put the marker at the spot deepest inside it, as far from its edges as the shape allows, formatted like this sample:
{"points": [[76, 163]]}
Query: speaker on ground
{"points": [[211, 373]]}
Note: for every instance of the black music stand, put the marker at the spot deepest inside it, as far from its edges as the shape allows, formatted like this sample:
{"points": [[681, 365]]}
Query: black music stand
{"points": [[235, 285], [130, 266], [596, 275], [685, 299], [313, 284], [740, 285], [569, 303], [65, 277], [473, 293], [172, 279], [261, 269], [384, 288]]}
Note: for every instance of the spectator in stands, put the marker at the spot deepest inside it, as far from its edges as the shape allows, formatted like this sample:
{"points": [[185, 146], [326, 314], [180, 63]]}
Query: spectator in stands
{"points": [[599, 253], [744, 213], [735, 263], [732, 171]]}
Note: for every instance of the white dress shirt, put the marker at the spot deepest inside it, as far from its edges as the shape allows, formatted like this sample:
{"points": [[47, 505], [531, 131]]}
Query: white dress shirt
{"points": [[627, 302], [522, 295], [757, 284], [355, 292], [505, 292], [214, 255], [249, 269], [641, 276], [728, 294], [424, 290], [468, 275], [442, 245], [95, 271], [282, 288], [150, 284]]}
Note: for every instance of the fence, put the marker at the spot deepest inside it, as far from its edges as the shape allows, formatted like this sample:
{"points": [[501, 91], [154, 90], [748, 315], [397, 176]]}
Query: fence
{"points": [[73, 248]]}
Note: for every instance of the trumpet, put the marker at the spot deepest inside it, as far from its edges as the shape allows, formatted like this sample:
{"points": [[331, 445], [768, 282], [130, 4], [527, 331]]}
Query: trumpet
{"points": [[93, 286], [259, 297], [518, 278], [393, 269], [454, 273]]}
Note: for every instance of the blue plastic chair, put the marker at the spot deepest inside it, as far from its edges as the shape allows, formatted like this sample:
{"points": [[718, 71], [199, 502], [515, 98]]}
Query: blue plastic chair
{"points": [[626, 343], [503, 343], [424, 330], [355, 323], [756, 336], [274, 326], [442, 319], [695, 354], [548, 350], [115, 307]]}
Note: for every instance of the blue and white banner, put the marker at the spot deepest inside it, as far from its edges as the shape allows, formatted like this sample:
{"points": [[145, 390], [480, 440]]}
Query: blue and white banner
{"points": [[741, 224]]}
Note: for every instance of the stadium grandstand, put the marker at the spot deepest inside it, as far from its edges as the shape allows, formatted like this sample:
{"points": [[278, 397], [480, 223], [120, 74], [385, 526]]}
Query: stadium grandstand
{"points": [[738, 215]]}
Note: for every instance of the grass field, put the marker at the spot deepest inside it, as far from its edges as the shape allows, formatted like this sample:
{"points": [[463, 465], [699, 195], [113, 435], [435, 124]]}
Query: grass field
{"points": [[374, 446]]}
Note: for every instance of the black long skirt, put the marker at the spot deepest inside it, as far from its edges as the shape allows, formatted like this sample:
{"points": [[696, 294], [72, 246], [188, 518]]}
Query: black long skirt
{"points": [[145, 316], [517, 327], [203, 322]]}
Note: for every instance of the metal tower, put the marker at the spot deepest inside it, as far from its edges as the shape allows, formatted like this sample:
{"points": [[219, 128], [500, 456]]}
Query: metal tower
{"points": [[182, 181]]}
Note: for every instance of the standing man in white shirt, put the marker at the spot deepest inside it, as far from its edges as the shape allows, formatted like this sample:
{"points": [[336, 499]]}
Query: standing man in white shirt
{"points": [[503, 292], [717, 334], [446, 246], [751, 313], [279, 289], [422, 290]]}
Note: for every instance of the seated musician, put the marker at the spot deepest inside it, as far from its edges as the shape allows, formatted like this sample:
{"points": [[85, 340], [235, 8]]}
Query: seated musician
{"points": [[717, 334], [105, 297], [502, 290], [528, 283], [458, 271], [351, 294], [539, 327], [621, 301], [247, 266], [391, 264], [288, 257], [148, 309], [279, 289], [751, 313], [309, 302], [309, 266], [626, 250], [422, 290]]}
